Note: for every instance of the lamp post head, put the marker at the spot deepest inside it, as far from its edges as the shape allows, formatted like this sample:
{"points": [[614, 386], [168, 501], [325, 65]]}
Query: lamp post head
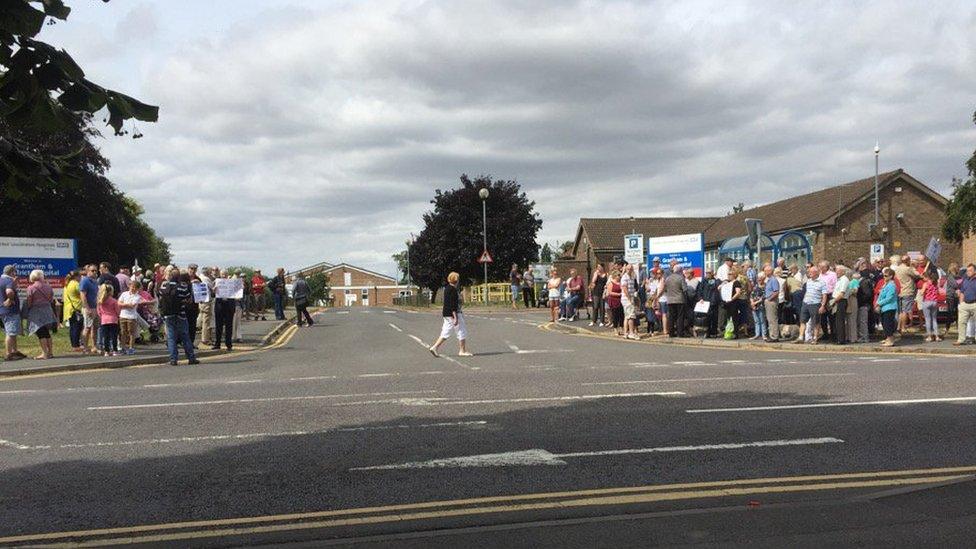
{"points": [[483, 193], [877, 148]]}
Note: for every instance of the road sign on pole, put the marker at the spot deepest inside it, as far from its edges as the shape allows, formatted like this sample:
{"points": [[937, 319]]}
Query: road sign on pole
{"points": [[485, 257], [634, 248]]}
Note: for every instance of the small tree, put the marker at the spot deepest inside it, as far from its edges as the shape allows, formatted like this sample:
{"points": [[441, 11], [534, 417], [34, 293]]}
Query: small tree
{"points": [[401, 261], [960, 220], [545, 255], [318, 287]]}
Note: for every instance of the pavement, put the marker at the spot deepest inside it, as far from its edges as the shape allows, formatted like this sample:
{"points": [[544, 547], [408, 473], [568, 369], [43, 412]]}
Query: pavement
{"points": [[350, 433], [253, 333], [913, 342]]}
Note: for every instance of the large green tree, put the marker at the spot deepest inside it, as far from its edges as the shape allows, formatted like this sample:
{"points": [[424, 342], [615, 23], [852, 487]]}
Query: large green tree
{"points": [[452, 236], [42, 91], [960, 219]]}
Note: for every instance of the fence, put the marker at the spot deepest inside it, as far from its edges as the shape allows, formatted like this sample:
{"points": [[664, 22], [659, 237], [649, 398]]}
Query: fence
{"points": [[499, 292], [420, 299]]}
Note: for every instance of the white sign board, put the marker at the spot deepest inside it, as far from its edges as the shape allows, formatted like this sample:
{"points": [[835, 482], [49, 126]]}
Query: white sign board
{"points": [[687, 249], [877, 252], [229, 288], [634, 248], [201, 294], [55, 256]]}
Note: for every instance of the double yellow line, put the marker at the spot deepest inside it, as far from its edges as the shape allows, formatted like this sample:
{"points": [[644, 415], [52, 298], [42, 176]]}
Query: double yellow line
{"points": [[177, 531]]}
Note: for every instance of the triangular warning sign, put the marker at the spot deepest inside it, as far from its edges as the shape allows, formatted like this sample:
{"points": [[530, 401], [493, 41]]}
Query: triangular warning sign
{"points": [[485, 257]]}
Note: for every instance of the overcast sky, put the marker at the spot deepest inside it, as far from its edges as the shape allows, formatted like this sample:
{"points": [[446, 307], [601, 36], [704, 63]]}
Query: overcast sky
{"points": [[293, 132]]}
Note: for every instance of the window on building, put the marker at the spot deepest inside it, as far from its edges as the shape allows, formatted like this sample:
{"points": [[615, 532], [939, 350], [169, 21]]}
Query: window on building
{"points": [[405, 293], [347, 279], [365, 293], [711, 260]]}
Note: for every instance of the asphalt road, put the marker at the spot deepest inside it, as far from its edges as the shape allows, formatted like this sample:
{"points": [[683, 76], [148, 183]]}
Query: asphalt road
{"points": [[351, 433]]}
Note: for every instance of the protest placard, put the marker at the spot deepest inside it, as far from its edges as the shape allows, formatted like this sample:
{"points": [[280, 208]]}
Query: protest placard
{"points": [[229, 288], [201, 294]]}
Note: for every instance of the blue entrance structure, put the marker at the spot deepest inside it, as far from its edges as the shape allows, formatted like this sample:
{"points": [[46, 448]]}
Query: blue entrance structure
{"points": [[793, 246]]}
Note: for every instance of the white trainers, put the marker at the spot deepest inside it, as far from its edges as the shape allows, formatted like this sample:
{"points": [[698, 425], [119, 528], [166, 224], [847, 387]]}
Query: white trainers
{"points": [[592, 324], [465, 353], [433, 351]]}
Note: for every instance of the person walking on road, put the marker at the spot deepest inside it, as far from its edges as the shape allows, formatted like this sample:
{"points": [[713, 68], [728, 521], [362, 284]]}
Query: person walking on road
{"points": [[453, 318], [597, 287], [552, 291], [300, 292], [887, 306], [39, 309]]}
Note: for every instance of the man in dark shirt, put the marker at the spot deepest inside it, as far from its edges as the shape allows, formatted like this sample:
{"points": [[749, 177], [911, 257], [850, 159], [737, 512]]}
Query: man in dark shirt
{"points": [[278, 293], [675, 288], [106, 277], [707, 291], [173, 299]]}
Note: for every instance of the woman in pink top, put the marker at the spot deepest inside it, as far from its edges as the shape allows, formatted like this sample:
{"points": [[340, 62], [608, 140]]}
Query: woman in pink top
{"points": [[40, 313], [930, 305], [108, 314]]}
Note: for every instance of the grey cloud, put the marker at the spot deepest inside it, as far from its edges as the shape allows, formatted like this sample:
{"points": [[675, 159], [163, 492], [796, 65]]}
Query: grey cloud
{"points": [[298, 136]]}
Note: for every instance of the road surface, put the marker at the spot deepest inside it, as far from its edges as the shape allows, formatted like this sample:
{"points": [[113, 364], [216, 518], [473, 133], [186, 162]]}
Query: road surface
{"points": [[351, 433]]}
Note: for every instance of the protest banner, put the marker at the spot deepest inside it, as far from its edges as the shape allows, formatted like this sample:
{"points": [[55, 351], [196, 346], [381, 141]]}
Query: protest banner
{"points": [[229, 288]]}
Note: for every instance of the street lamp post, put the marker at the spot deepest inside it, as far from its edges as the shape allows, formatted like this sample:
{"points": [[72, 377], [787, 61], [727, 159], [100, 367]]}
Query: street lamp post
{"points": [[483, 193]]}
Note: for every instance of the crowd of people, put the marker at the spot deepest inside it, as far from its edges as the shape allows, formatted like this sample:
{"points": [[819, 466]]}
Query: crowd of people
{"points": [[107, 313], [813, 303]]}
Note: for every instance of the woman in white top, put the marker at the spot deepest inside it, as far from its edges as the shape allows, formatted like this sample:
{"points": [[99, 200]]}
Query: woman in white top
{"points": [[129, 317], [552, 287]]}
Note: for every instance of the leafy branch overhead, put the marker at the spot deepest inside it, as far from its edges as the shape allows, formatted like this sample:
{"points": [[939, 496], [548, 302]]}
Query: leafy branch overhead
{"points": [[42, 91], [960, 219]]}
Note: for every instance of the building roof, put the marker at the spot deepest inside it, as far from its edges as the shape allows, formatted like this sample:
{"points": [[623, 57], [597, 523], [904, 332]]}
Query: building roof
{"points": [[805, 211], [607, 233], [362, 270], [799, 212], [317, 267]]}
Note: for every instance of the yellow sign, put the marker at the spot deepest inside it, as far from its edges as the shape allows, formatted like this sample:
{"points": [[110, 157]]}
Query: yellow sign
{"points": [[897, 244]]}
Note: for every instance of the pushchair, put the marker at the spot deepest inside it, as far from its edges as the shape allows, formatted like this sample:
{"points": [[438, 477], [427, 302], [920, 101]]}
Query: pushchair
{"points": [[151, 323]]}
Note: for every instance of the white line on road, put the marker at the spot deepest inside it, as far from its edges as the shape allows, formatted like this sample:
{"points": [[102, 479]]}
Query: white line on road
{"points": [[885, 360], [243, 436], [395, 327], [430, 373], [310, 378], [832, 405], [731, 378], [688, 362], [417, 339], [559, 398], [389, 312], [539, 456], [237, 381], [379, 375], [248, 400], [14, 445], [342, 312], [732, 361]]}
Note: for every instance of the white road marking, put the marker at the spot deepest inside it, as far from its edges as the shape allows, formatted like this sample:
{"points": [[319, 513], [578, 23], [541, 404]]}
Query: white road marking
{"points": [[413, 312], [237, 381], [430, 373], [688, 362], [310, 378], [516, 350], [247, 400], [731, 378], [832, 405], [459, 363], [10, 444], [559, 398], [395, 327], [20, 392], [389, 312], [420, 426], [342, 312], [885, 360], [209, 438], [417, 339], [511, 346], [732, 361], [539, 456], [379, 375]]}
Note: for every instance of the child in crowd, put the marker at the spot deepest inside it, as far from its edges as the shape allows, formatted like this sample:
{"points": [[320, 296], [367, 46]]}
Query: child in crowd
{"points": [[108, 313], [129, 316]]}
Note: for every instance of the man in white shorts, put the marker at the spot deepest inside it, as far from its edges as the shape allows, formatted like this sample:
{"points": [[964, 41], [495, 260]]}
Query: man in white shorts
{"points": [[453, 318]]}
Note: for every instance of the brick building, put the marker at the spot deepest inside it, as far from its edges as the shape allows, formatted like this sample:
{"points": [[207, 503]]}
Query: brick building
{"points": [[835, 223], [354, 286]]}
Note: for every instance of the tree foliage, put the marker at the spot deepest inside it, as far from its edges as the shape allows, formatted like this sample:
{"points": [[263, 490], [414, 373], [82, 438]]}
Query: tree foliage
{"points": [[42, 91], [318, 287], [545, 255], [960, 219], [452, 236], [401, 261], [109, 225]]}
